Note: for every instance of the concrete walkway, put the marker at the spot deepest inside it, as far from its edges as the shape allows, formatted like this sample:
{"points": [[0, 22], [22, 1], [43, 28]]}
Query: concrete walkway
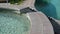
{"points": [[40, 24], [25, 4]]}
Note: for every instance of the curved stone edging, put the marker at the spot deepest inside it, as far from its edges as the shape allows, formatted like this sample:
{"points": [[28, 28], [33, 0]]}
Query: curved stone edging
{"points": [[40, 24]]}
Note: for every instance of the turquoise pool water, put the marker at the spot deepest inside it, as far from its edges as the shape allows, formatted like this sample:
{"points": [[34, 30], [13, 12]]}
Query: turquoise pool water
{"points": [[52, 9], [11, 23]]}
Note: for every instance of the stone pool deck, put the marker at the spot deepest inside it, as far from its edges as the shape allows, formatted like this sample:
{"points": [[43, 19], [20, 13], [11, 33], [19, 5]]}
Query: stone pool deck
{"points": [[40, 24], [27, 3]]}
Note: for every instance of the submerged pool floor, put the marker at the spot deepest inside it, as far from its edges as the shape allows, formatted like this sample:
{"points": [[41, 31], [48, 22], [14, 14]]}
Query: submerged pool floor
{"points": [[14, 24], [52, 9]]}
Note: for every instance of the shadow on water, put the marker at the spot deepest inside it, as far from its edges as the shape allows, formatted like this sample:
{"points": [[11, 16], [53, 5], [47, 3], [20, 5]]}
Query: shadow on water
{"points": [[56, 26], [47, 9]]}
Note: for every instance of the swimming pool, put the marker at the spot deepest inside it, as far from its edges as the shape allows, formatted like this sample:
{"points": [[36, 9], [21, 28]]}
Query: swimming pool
{"points": [[52, 9], [12, 23]]}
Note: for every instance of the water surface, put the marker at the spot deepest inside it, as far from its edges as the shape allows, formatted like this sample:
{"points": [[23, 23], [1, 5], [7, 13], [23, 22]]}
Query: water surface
{"points": [[51, 9], [11, 23]]}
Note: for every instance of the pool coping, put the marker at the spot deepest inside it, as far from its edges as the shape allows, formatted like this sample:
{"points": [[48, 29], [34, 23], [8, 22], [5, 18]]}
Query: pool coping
{"points": [[26, 3]]}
